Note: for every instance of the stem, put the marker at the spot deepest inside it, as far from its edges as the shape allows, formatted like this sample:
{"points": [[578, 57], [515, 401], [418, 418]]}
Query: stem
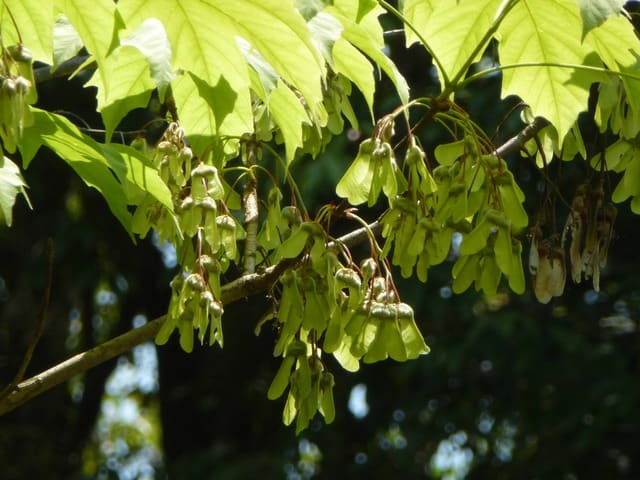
{"points": [[250, 204], [13, 20], [242, 287], [587, 68], [516, 142]]}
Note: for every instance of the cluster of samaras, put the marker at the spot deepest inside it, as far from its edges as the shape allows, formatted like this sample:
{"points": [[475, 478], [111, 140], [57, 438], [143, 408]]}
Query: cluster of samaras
{"points": [[589, 226], [16, 94]]}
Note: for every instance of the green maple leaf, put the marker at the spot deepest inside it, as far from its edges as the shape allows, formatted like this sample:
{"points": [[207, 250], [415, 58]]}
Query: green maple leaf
{"points": [[273, 27], [545, 36], [97, 26], [606, 40], [363, 30], [453, 30], [116, 171], [355, 66], [287, 111], [130, 88], [66, 41], [206, 110], [151, 40]]}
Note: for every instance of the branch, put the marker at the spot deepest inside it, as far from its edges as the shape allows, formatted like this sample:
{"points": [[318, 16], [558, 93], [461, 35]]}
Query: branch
{"points": [[250, 205], [516, 143], [40, 383], [242, 287]]}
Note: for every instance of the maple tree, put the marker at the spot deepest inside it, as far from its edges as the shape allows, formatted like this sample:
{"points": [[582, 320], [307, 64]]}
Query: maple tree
{"points": [[274, 84]]}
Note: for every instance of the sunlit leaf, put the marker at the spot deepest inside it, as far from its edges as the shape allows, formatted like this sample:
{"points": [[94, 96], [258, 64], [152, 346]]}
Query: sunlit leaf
{"points": [[606, 40], [288, 113], [11, 184], [130, 88], [365, 33], [35, 21], [274, 28], [352, 64], [151, 39], [136, 175], [97, 26], [325, 31], [206, 110], [549, 84], [452, 29]]}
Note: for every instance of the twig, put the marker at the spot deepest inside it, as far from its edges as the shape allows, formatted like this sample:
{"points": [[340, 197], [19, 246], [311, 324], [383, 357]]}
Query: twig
{"points": [[356, 236], [516, 143], [40, 324], [250, 205]]}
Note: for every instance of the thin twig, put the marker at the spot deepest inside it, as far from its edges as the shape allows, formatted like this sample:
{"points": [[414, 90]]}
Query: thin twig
{"points": [[250, 205], [40, 324], [516, 143]]}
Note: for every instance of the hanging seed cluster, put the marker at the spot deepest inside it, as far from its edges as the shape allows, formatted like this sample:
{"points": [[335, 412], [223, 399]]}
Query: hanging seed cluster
{"points": [[17, 92], [203, 232]]}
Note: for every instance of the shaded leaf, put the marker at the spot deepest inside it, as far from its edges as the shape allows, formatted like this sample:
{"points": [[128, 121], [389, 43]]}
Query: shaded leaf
{"points": [[595, 12]]}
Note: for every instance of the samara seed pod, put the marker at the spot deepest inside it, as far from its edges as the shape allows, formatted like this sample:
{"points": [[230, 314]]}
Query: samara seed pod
{"points": [[20, 53], [296, 348], [368, 267], [22, 85], [195, 282], [348, 277]]}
